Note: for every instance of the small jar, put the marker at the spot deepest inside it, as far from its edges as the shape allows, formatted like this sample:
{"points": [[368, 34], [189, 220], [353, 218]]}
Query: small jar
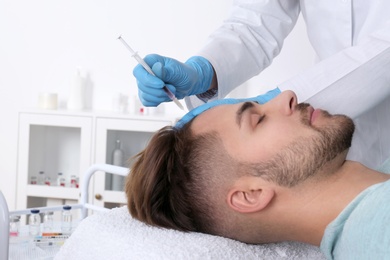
{"points": [[33, 180], [34, 222], [41, 178], [60, 180], [66, 220], [14, 225], [47, 181], [73, 181]]}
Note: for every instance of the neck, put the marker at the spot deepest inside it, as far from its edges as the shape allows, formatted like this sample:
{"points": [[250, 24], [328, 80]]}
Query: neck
{"points": [[308, 209]]}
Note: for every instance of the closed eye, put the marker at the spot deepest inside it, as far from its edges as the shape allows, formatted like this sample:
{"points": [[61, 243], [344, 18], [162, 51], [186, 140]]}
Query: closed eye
{"points": [[261, 119]]}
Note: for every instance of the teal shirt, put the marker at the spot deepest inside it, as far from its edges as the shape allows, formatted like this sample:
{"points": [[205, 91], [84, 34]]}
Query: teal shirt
{"points": [[362, 230]]}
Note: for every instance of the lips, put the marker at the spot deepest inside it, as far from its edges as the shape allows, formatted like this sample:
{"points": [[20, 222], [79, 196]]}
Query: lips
{"points": [[314, 113], [308, 113]]}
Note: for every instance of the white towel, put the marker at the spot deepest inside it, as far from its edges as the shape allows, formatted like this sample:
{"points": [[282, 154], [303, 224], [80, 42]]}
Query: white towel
{"points": [[115, 235]]}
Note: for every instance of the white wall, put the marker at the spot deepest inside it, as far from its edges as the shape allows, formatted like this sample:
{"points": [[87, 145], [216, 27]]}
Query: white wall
{"points": [[42, 42]]}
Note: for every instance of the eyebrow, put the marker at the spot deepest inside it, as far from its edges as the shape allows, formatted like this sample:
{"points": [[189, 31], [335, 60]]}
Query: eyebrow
{"points": [[245, 106]]}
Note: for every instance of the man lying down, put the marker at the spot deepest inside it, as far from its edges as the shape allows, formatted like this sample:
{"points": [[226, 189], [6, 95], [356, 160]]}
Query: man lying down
{"points": [[263, 172]]}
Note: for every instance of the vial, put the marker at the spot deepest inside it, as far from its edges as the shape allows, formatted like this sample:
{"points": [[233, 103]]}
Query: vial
{"points": [[73, 181], [47, 180], [33, 180], [60, 180], [14, 224], [41, 178], [48, 221], [66, 221], [34, 222]]}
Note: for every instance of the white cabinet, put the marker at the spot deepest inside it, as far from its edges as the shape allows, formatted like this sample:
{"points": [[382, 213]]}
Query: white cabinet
{"points": [[66, 142], [51, 143], [133, 135]]}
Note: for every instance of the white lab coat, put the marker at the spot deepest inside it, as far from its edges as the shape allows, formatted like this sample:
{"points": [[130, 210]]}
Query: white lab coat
{"points": [[352, 41]]}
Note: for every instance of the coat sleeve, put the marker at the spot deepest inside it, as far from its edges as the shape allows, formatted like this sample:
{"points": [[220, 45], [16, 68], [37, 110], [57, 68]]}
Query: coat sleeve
{"points": [[350, 82], [247, 41], [354, 82]]}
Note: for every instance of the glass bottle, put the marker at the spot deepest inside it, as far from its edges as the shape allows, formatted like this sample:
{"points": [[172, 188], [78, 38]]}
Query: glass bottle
{"points": [[66, 220], [33, 180], [48, 221], [117, 159], [73, 182], [34, 222], [77, 182], [41, 178], [47, 181], [14, 225], [60, 180]]}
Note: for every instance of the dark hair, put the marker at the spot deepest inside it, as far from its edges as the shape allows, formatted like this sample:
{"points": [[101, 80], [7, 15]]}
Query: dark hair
{"points": [[155, 187], [174, 182]]}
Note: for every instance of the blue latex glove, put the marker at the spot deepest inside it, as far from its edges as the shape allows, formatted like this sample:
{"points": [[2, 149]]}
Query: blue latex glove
{"points": [[227, 101], [183, 79]]}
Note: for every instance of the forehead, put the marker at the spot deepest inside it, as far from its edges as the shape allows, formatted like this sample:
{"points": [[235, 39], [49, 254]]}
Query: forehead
{"points": [[215, 119], [222, 121]]}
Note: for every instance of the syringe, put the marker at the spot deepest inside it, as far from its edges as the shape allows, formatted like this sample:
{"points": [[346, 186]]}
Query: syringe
{"points": [[148, 69]]}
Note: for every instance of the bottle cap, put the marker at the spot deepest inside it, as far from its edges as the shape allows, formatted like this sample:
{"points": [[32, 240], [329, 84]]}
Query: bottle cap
{"points": [[35, 211], [66, 207]]}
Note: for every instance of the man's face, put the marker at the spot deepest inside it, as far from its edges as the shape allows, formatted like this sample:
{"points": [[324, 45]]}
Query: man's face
{"points": [[301, 137]]}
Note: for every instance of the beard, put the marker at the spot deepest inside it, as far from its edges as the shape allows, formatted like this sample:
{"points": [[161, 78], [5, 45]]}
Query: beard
{"points": [[305, 157]]}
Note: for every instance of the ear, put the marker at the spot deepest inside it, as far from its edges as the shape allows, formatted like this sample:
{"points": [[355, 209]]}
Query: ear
{"points": [[250, 200]]}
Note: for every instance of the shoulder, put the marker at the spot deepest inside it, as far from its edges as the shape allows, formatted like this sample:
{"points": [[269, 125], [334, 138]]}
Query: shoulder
{"points": [[361, 231]]}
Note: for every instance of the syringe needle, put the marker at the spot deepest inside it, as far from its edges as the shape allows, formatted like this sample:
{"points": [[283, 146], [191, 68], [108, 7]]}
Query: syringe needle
{"points": [[148, 69]]}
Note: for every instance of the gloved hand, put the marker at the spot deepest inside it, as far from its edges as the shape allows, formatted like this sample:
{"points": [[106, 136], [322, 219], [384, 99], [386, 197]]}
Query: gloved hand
{"points": [[261, 99], [183, 79]]}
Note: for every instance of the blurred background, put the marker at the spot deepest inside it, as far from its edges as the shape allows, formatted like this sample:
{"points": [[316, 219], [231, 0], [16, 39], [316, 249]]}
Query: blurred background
{"points": [[44, 42]]}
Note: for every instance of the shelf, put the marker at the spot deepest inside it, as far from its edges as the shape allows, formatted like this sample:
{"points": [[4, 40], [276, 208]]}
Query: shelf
{"points": [[52, 192], [69, 142], [104, 114]]}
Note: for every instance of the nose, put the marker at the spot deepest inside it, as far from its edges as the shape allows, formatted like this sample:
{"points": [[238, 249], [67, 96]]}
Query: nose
{"points": [[285, 102]]}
